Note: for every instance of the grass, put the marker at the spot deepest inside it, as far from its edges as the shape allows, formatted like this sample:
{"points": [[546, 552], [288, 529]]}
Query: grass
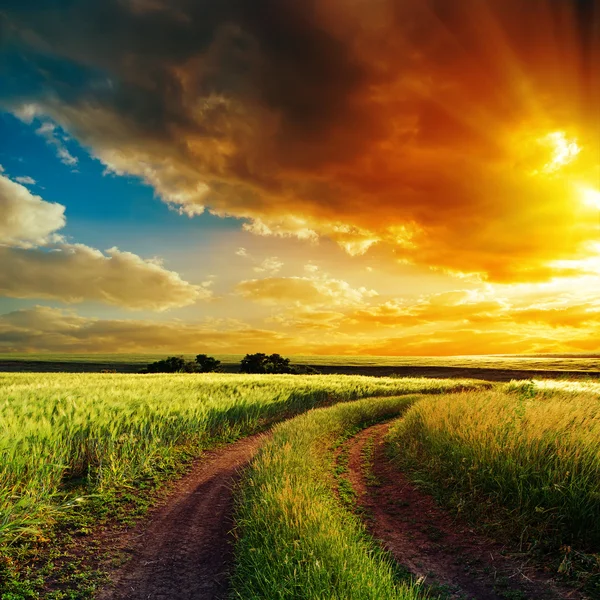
{"points": [[295, 539], [532, 449]]}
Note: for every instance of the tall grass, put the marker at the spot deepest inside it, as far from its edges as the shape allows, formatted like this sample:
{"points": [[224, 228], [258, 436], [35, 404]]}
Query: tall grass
{"points": [[295, 539], [109, 431], [532, 449]]}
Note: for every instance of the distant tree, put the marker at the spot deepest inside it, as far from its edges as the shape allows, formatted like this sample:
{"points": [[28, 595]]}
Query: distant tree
{"points": [[172, 364], [207, 364], [254, 363], [277, 364], [263, 363]]}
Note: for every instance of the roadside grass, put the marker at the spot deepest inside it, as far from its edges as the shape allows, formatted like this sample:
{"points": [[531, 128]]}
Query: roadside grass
{"points": [[80, 449], [296, 540], [368, 463], [523, 460]]}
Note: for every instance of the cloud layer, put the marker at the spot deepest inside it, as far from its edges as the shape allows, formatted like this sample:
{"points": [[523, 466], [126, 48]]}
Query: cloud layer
{"points": [[48, 329], [42, 329], [459, 136], [314, 290], [424, 127]]}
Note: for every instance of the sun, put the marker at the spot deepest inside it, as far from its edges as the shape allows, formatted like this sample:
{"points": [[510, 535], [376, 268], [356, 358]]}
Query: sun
{"points": [[591, 197]]}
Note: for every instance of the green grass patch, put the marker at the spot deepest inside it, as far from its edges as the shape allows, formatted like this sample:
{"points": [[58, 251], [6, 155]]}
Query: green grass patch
{"points": [[295, 539]]}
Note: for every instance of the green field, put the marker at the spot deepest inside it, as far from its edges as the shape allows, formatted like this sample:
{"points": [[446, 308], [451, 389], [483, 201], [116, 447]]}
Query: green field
{"points": [[290, 478], [521, 460], [109, 431]]}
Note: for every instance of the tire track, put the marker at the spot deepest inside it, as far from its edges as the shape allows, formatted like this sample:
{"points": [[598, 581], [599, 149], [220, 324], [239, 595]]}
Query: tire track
{"points": [[183, 550], [432, 545]]}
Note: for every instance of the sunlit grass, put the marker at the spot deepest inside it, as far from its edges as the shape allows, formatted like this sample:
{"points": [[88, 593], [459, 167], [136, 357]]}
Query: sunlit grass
{"points": [[295, 538], [532, 449]]}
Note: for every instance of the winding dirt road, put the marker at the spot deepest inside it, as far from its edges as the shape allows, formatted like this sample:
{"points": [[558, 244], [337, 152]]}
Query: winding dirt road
{"points": [[430, 543], [183, 549]]}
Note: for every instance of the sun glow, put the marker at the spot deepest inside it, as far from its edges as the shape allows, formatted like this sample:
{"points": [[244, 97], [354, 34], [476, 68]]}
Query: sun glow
{"points": [[591, 197], [564, 150]]}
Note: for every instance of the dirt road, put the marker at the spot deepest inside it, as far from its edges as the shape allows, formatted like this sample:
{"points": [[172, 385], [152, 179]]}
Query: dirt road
{"points": [[183, 549], [433, 545]]}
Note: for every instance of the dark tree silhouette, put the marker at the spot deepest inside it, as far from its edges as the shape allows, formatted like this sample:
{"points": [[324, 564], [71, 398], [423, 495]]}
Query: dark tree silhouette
{"points": [[172, 364], [263, 363], [207, 364]]}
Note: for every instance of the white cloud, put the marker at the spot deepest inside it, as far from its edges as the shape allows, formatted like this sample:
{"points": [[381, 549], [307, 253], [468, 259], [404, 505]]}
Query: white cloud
{"points": [[25, 180], [36, 263], [50, 133], [26, 219]]}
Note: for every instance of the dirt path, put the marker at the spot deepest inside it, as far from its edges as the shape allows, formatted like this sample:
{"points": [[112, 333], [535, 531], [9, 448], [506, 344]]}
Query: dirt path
{"points": [[430, 543], [183, 550]]}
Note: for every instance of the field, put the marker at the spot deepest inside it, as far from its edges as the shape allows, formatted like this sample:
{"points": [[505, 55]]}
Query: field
{"points": [[319, 509], [491, 368], [568, 362]]}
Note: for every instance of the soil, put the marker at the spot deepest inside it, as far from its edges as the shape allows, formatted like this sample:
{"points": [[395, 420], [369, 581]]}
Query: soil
{"points": [[432, 544], [183, 550]]}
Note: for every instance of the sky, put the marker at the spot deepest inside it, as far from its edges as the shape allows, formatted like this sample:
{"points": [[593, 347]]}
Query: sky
{"points": [[361, 177]]}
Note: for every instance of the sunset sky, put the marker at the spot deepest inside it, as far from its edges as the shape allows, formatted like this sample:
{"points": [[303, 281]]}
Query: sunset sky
{"points": [[385, 177]]}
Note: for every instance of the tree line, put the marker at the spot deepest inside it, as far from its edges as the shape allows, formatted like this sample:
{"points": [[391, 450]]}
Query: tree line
{"points": [[251, 363]]}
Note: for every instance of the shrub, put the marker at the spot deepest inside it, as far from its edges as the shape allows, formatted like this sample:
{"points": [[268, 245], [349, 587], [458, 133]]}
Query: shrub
{"points": [[263, 363], [207, 364], [304, 370], [172, 364]]}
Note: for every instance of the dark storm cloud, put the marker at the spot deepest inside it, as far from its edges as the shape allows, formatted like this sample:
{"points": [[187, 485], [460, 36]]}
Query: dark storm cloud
{"points": [[270, 51]]}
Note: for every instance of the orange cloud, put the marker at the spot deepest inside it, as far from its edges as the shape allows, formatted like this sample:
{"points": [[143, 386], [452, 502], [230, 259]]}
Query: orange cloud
{"points": [[318, 289], [583, 315], [48, 329]]}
